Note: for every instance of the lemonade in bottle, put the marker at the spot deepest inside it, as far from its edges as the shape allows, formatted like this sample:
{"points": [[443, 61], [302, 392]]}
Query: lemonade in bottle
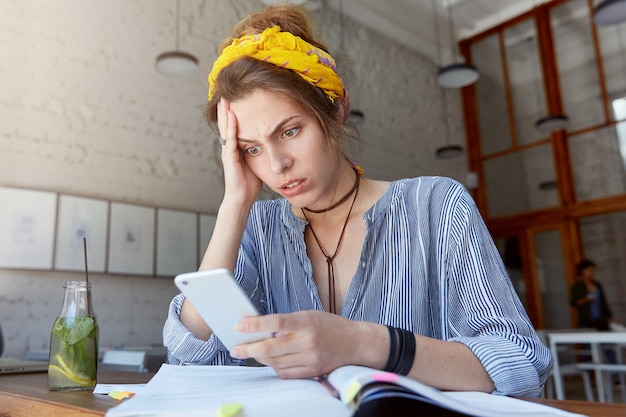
{"points": [[74, 342]]}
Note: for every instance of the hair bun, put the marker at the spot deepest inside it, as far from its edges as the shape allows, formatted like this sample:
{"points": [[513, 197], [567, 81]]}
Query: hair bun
{"points": [[293, 19]]}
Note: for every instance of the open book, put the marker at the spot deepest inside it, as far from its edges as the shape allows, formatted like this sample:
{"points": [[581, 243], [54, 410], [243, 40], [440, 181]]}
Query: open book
{"points": [[235, 391]]}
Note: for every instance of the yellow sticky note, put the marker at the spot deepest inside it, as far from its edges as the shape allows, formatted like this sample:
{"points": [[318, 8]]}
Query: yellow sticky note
{"points": [[229, 409], [120, 395], [353, 390]]}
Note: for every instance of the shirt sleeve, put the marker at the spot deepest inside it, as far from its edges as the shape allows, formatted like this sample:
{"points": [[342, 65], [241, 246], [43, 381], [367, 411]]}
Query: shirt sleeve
{"points": [[484, 311], [183, 348]]}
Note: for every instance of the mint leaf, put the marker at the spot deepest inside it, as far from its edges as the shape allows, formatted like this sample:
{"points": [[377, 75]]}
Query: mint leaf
{"points": [[79, 330]]}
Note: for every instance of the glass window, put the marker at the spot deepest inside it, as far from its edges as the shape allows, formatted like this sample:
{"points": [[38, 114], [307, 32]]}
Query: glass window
{"points": [[598, 161], [525, 80], [613, 50], [577, 65], [493, 116], [521, 181], [552, 282]]}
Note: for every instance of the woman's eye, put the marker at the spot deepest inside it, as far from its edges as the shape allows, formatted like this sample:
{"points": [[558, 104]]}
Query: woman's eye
{"points": [[254, 150], [291, 132]]}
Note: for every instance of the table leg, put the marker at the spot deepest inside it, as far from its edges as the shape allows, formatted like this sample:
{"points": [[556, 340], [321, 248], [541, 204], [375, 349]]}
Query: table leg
{"points": [[596, 354], [556, 372]]}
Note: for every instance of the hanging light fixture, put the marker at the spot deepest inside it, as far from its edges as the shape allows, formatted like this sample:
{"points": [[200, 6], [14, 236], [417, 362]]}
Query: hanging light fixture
{"points": [[549, 123], [448, 151], [458, 74], [609, 12], [176, 63], [356, 116]]}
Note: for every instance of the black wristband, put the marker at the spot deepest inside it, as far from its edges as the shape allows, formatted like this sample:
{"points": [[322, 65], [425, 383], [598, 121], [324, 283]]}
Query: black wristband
{"points": [[401, 351], [407, 353], [394, 357]]}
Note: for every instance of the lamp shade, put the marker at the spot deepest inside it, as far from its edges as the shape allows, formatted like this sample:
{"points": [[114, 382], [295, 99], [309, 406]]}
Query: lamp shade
{"points": [[176, 63], [356, 117], [548, 185], [457, 75], [449, 152], [550, 123], [609, 12]]}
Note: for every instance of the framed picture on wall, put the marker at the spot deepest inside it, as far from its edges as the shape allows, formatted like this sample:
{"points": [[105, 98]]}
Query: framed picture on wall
{"points": [[79, 218], [27, 226], [131, 239], [177, 242], [206, 225]]}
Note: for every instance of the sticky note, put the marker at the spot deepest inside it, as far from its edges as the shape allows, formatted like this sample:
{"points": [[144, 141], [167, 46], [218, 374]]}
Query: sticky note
{"points": [[229, 409], [385, 377], [120, 395], [352, 391]]}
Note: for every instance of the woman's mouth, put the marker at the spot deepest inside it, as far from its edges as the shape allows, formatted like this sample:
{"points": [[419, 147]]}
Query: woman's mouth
{"points": [[292, 187]]}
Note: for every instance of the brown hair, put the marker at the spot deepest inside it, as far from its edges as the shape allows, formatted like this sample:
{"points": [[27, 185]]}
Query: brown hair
{"points": [[246, 75]]}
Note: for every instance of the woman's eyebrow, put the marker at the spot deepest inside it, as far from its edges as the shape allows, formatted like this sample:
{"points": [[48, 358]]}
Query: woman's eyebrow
{"points": [[282, 124], [278, 128]]}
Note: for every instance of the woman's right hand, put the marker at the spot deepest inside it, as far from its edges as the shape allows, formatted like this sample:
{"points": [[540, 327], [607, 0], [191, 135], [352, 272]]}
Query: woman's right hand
{"points": [[241, 185]]}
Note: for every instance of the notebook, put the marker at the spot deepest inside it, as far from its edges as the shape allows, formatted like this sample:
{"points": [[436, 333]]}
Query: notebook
{"points": [[19, 366]]}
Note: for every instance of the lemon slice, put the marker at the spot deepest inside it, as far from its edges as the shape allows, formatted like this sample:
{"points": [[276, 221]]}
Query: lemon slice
{"points": [[53, 369], [67, 371]]}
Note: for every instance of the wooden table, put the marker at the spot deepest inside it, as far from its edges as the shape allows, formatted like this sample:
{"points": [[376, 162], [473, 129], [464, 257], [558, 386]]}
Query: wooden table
{"points": [[593, 338], [27, 395]]}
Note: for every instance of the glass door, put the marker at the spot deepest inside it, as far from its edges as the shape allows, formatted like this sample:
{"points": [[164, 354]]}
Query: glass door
{"points": [[550, 274]]}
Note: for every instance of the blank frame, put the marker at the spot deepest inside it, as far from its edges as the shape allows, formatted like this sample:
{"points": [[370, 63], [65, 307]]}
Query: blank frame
{"points": [[80, 218], [27, 221], [177, 240], [131, 239]]}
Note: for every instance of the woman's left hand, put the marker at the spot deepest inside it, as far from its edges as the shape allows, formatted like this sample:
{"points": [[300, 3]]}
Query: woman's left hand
{"points": [[312, 343]]}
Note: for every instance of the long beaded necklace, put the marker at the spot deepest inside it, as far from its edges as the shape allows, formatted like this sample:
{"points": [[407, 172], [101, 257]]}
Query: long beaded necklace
{"points": [[329, 259]]}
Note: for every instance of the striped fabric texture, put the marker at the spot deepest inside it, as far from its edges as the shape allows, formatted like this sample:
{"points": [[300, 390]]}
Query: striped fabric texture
{"points": [[428, 265]]}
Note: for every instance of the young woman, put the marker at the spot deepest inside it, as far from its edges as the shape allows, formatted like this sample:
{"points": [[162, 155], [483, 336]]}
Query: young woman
{"points": [[400, 276]]}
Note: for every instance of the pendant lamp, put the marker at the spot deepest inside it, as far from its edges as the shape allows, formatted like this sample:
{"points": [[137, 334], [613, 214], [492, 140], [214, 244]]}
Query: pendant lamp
{"points": [[176, 63], [458, 74], [447, 151], [355, 116], [551, 122], [548, 124], [609, 12]]}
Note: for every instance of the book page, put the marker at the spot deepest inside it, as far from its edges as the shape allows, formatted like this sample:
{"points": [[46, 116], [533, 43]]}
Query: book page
{"points": [[349, 380], [204, 390]]}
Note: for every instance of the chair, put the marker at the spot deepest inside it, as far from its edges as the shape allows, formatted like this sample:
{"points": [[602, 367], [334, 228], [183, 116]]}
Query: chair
{"points": [[566, 369], [608, 371], [124, 360]]}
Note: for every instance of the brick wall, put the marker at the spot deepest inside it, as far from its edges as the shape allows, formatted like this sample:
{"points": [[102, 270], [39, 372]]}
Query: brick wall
{"points": [[84, 112]]}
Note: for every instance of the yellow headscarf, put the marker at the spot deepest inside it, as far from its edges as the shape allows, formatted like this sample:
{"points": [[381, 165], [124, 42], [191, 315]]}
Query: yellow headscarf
{"points": [[285, 50]]}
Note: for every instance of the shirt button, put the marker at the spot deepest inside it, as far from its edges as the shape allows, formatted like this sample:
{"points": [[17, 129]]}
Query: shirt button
{"points": [[363, 264]]}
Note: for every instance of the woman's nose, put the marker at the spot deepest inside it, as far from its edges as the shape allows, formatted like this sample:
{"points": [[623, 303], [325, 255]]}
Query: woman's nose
{"points": [[279, 160]]}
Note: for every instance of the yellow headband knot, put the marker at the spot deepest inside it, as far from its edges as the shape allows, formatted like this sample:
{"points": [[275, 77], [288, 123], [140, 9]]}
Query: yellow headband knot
{"points": [[285, 50]]}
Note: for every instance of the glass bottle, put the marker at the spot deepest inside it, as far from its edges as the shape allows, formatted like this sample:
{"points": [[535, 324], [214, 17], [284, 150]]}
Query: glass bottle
{"points": [[73, 358]]}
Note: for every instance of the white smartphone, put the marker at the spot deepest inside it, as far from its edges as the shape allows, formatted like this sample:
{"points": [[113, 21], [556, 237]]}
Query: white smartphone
{"points": [[221, 302]]}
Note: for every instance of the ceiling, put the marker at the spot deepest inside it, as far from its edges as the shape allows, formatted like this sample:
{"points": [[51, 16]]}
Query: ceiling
{"points": [[412, 22]]}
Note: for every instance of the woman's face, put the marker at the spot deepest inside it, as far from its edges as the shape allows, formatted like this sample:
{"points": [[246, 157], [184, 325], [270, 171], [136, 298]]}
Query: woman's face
{"points": [[286, 148]]}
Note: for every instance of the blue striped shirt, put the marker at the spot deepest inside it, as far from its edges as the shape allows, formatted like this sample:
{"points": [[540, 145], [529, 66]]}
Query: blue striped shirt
{"points": [[428, 265]]}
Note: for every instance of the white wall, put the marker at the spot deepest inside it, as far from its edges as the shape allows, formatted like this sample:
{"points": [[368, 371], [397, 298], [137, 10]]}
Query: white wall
{"points": [[84, 112]]}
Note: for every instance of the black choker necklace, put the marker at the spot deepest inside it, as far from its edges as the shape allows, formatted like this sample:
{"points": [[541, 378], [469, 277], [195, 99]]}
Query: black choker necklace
{"points": [[331, 258], [341, 200]]}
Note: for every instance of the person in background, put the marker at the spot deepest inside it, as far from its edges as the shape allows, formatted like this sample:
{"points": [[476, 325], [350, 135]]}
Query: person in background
{"points": [[401, 276], [588, 298]]}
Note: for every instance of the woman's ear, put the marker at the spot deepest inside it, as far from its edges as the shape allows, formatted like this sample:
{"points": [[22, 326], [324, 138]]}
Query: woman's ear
{"points": [[340, 115]]}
